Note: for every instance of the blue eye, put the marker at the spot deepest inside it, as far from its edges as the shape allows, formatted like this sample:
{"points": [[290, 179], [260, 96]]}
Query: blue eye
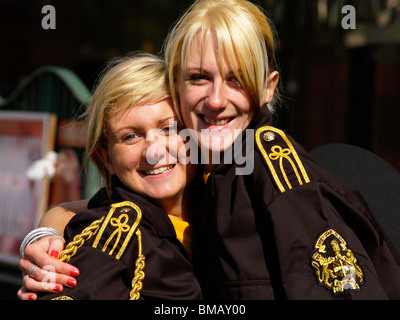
{"points": [[172, 129], [129, 137]]}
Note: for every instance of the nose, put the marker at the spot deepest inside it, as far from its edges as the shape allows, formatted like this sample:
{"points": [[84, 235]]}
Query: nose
{"points": [[216, 96], [155, 150]]}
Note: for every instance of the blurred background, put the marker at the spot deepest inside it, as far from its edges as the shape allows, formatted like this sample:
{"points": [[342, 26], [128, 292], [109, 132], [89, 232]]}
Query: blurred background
{"points": [[338, 85]]}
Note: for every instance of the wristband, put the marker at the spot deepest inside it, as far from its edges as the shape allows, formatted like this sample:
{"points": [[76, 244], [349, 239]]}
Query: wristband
{"points": [[35, 235]]}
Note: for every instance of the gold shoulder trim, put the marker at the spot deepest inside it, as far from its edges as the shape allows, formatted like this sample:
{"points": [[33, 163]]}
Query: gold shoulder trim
{"points": [[275, 154], [122, 226]]}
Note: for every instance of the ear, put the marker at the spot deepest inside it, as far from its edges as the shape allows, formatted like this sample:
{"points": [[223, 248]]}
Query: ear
{"points": [[272, 82], [103, 155]]}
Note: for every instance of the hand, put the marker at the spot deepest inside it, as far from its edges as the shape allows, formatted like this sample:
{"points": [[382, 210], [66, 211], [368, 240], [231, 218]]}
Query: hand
{"points": [[49, 275]]}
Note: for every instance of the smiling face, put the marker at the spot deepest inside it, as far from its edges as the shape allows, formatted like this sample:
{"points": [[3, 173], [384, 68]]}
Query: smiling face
{"points": [[211, 97], [142, 144], [213, 45]]}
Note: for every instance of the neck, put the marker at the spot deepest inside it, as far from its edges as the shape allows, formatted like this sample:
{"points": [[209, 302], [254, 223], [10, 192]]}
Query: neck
{"points": [[175, 208], [178, 207], [185, 205], [208, 158]]}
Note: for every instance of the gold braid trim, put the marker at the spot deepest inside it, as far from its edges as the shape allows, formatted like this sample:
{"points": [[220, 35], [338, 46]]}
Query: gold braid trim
{"points": [[277, 153], [79, 240], [89, 232], [139, 273]]}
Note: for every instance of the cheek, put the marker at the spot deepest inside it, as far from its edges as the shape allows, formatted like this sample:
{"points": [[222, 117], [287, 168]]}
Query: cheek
{"points": [[242, 101], [190, 96], [244, 108], [188, 119], [124, 159], [188, 116]]}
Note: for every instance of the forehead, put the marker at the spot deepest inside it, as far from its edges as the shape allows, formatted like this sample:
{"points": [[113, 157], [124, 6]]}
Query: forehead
{"points": [[145, 114], [207, 51]]}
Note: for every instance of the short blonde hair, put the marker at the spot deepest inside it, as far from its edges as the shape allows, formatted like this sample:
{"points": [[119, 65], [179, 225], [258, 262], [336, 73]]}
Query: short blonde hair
{"points": [[126, 82], [243, 32]]}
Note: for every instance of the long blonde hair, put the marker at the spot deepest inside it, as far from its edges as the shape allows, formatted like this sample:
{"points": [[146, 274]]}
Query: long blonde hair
{"points": [[243, 32], [126, 82]]}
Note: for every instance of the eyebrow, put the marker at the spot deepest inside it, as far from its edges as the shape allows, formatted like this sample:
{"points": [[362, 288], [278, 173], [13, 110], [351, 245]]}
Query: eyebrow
{"points": [[191, 70], [228, 73], [127, 128], [164, 120], [159, 124]]}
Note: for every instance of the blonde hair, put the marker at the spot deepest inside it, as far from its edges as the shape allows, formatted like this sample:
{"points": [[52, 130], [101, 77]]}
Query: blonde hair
{"points": [[243, 33], [126, 82]]}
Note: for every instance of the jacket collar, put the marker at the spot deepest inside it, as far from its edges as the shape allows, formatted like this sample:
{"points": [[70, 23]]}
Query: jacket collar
{"points": [[151, 212], [262, 118]]}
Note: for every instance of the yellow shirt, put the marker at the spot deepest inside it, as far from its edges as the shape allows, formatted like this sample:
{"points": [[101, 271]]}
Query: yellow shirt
{"points": [[183, 231], [205, 176]]}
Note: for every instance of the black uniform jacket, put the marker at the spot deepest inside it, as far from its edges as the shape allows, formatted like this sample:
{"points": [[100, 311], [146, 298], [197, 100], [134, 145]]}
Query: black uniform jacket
{"points": [[289, 230], [132, 252]]}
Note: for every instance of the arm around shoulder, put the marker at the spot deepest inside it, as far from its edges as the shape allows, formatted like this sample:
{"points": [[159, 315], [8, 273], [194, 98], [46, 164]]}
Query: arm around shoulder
{"points": [[59, 216]]}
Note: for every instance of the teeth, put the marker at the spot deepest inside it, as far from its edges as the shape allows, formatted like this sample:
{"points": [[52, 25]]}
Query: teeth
{"points": [[216, 122], [158, 170]]}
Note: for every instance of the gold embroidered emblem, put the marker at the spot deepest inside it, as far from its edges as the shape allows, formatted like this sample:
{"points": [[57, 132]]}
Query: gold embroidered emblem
{"points": [[63, 298], [336, 266], [276, 155], [120, 227]]}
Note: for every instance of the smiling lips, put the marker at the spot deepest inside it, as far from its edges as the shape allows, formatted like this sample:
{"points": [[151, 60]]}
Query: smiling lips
{"points": [[167, 168], [152, 172], [218, 122]]}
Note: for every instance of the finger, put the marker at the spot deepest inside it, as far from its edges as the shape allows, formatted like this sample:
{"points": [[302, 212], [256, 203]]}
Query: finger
{"points": [[36, 254], [23, 294], [32, 285], [56, 245], [25, 266], [45, 279], [22, 266], [41, 258]]}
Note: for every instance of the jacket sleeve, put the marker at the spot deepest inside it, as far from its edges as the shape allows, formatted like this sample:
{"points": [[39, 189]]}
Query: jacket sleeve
{"points": [[105, 252], [327, 247], [328, 244]]}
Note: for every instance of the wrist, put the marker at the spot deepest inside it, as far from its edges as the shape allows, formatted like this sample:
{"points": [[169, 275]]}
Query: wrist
{"points": [[34, 236]]}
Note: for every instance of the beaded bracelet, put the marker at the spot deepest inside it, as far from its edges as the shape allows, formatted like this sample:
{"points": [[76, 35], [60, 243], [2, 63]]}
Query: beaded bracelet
{"points": [[35, 235]]}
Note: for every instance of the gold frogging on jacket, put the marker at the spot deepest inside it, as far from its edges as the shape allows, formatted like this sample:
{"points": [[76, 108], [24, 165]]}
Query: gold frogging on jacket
{"points": [[118, 221], [121, 225], [278, 154], [123, 230], [336, 266]]}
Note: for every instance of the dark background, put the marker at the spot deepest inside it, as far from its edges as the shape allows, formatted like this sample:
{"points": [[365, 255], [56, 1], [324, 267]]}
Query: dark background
{"points": [[335, 89]]}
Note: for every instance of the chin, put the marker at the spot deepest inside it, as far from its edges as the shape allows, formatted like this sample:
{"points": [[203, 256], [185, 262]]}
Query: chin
{"points": [[216, 144]]}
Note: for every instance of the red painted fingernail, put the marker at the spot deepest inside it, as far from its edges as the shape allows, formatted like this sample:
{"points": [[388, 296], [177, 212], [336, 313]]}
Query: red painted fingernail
{"points": [[74, 272], [31, 297], [71, 282], [57, 288], [54, 254]]}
